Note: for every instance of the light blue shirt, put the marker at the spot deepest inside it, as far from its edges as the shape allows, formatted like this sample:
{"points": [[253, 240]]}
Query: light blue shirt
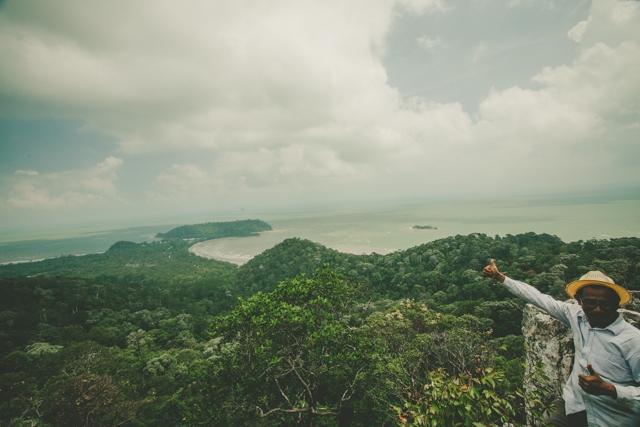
{"points": [[613, 352]]}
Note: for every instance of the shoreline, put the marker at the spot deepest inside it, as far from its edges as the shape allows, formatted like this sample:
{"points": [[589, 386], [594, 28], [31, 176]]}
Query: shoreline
{"points": [[215, 249], [205, 251], [24, 261]]}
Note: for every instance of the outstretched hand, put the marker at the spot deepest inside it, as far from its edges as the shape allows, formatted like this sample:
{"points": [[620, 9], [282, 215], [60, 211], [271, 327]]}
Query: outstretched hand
{"points": [[594, 384], [492, 271]]}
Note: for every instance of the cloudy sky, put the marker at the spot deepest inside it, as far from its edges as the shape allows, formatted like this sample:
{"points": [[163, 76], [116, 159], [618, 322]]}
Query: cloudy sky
{"points": [[123, 109]]}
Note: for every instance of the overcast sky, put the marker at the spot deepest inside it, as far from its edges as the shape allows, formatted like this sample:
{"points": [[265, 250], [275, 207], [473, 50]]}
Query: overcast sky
{"points": [[122, 109]]}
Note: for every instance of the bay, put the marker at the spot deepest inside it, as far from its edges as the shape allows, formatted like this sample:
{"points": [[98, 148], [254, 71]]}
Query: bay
{"points": [[387, 229], [374, 228], [87, 242]]}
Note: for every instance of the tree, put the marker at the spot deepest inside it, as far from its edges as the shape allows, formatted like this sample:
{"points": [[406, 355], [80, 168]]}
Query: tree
{"points": [[293, 354], [89, 400]]}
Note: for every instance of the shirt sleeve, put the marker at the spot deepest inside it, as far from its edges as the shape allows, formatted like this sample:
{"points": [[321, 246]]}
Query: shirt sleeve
{"points": [[629, 395], [557, 309]]}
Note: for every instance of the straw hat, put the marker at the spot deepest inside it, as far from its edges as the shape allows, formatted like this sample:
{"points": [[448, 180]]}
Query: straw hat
{"points": [[600, 279]]}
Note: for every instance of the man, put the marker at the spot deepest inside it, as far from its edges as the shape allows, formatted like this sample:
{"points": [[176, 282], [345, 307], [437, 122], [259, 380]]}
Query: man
{"points": [[604, 386]]}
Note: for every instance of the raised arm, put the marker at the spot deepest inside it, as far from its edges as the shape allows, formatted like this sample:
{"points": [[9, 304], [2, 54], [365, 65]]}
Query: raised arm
{"points": [[557, 309]]}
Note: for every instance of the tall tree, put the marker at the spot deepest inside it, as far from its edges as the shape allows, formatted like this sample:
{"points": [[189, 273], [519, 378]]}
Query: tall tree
{"points": [[294, 353]]}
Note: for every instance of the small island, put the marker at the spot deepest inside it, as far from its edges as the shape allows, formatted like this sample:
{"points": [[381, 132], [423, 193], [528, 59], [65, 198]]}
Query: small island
{"points": [[424, 227], [217, 230]]}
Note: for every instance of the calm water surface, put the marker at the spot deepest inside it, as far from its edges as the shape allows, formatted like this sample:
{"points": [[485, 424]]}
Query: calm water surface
{"points": [[380, 229], [386, 230]]}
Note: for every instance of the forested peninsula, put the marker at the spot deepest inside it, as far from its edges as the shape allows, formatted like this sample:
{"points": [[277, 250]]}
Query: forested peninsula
{"points": [[217, 230], [150, 334]]}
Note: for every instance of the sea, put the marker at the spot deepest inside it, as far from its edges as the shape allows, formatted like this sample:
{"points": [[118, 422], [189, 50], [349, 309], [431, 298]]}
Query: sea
{"points": [[380, 228]]}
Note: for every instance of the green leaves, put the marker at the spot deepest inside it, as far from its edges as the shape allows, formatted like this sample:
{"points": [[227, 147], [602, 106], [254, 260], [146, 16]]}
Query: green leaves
{"points": [[448, 269], [356, 359], [216, 230], [294, 348], [460, 400], [466, 400]]}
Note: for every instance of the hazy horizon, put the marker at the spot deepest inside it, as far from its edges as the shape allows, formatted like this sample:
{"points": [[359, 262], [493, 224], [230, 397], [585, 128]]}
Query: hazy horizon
{"points": [[133, 113], [78, 229], [360, 229]]}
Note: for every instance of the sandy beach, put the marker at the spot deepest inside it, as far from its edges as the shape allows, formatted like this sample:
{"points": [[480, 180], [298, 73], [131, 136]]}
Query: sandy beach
{"points": [[240, 250], [218, 249]]}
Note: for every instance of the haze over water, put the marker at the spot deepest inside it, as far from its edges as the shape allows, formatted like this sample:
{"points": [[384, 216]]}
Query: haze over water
{"points": [[381, 229], [385, 230]]}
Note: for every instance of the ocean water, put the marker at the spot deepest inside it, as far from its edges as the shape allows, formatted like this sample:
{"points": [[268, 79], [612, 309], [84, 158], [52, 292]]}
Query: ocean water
{"points": [[86, 242], [381, 229], [387, 229]]}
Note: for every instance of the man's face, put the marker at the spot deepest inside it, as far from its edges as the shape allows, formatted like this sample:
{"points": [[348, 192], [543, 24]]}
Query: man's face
{"points": [[600, 304]]}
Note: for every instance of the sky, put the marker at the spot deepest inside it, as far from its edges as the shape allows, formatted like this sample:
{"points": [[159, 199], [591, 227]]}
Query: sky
{"points": [[122, 110]]}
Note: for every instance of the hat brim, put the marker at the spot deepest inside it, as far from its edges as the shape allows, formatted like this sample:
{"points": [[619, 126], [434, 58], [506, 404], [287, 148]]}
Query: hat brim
{"points": [[573, 287]]}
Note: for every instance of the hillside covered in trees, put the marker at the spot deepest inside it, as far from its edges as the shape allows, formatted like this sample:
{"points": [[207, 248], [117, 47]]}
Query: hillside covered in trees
{"points": [[167, 262], [150, 334]]}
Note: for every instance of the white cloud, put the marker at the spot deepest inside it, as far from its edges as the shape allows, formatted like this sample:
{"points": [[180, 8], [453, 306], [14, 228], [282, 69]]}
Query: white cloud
{"points": [[290, 168], [28, 189], [429, 43], [515, 3], [425, 6], [202, 75], [292, 98], [576, 100], [26, 195], [611, 22], [27, 172], [577, 32], [595, 98], [479, 51], [206, 75], [602, 80]]}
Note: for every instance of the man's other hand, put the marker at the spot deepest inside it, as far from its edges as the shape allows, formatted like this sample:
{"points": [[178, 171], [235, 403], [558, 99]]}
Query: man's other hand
{"points": [[492, 271], [594, 384]]}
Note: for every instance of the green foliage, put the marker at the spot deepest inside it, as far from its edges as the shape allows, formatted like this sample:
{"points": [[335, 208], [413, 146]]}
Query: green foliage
{"points": [[477, 399], [166, 263], [131, 336], [295, 350], [89, 400], [460, 400], [289, 259], [60, 311], [446, 271], [408, 340], [217, 230], [506, 315]]}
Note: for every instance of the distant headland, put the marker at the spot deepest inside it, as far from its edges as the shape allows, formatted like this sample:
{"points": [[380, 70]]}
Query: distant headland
{"points": [[424, 227], [217, 230]]}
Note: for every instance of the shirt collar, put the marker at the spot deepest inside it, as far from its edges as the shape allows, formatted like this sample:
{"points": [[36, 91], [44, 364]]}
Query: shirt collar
{"points": [[616, 327]]}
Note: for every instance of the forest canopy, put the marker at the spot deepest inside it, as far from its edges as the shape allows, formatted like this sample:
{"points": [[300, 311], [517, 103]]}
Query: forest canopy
{"points": [[166, 262], [150, 334], [217, 230]]}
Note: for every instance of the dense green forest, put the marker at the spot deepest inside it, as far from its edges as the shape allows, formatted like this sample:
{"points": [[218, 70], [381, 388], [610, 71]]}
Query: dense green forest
{"points": [[217, 230], [150, 334], [167, 262]]}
